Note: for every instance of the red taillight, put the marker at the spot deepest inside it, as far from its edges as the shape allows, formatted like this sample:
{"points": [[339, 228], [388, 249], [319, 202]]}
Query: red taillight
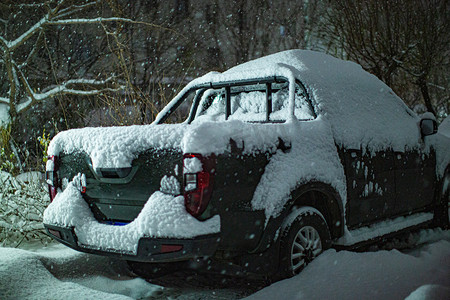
{"points": [[51, 175], [198, 182], [55, 233], [170, 248]]}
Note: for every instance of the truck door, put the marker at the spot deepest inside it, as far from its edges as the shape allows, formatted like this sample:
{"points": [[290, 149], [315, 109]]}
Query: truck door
{"points": [[370, 185], [415, 177]]}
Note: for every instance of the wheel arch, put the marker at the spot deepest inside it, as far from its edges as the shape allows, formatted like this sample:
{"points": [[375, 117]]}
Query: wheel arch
{"points": [[318, 195], [325, 199]]}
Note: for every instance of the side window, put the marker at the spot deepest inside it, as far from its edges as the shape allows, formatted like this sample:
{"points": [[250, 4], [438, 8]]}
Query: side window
{"points": [[211, 106], [249, 102], [181, 113]]}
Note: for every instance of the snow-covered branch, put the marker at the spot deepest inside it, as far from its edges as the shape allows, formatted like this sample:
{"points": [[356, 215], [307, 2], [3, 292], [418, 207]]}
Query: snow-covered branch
{"points": [[20, 94], [89, 81], [27, 34], [4, 100], [48, 20], [98, 21], [65, 89]]}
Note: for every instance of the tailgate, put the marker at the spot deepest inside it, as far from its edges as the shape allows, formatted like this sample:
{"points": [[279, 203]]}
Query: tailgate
{"points": [[118, 194]]}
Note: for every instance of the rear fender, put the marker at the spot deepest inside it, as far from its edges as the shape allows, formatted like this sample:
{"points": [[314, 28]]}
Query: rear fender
{"points": [[319, 195]]}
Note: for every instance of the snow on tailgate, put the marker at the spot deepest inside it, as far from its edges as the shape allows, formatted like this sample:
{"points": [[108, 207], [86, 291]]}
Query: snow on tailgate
{"points": [[162, 216]]}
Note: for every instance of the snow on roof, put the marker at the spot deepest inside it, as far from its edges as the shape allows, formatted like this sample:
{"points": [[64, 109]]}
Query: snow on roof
{"points": [[361, 109]]}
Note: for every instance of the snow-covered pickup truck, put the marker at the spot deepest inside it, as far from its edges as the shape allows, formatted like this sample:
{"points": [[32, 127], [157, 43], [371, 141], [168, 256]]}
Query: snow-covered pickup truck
{"points": [[264, 166]]}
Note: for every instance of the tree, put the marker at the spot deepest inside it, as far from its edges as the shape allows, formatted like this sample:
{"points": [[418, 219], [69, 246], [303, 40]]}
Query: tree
{"points": [[22, 57], [48, 58], [431, 53], [236, 31], [398, 41]]}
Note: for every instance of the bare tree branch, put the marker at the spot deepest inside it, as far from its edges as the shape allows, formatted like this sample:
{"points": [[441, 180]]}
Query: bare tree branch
{"points": [[4, 100], [12, 45], [101, 20], [64, 89]]}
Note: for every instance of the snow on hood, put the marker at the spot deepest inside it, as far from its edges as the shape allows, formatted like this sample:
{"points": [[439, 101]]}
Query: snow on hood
{"points": [[444, 127], [162, 216]]}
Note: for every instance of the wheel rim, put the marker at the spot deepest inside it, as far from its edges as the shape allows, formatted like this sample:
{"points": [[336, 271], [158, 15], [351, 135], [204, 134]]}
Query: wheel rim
{"points": [[305, 247]]}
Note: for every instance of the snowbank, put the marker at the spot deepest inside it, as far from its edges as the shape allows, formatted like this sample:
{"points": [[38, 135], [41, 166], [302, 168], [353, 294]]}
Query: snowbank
{"points": [[162, 216], [30, 177], [23, 201], [28, 275], [430, 292], [371, 275], [58, 272]]}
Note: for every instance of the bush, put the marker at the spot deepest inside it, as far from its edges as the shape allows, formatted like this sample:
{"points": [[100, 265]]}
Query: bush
{"points": [[22, 204]]}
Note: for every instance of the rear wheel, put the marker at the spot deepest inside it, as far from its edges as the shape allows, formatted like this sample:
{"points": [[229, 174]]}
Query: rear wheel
{"points": [[303, 240]]}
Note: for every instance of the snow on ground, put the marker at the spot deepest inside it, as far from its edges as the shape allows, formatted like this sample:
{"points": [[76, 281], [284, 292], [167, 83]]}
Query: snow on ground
{"points": [[57, 272], [421, 273]]}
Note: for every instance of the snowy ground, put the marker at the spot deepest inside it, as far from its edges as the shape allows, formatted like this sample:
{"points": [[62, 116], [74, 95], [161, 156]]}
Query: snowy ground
{"points": [[420, 270]]}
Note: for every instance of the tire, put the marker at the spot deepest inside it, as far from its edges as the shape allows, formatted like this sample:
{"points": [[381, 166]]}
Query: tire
{"points": [[302, 240]]}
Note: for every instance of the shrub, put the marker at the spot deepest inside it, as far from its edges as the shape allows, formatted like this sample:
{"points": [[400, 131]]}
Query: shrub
{"points": [[21, 207]]}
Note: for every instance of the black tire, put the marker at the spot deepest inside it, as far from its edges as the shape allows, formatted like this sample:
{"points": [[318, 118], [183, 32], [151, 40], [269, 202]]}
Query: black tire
{"points": [[293, 258]]}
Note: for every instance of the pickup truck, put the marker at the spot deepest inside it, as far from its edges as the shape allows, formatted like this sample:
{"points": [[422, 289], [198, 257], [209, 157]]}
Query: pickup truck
{"points": [[263, 166]]}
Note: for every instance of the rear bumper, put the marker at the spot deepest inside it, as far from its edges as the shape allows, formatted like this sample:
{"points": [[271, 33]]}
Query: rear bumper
{"points": [[149, 249]]}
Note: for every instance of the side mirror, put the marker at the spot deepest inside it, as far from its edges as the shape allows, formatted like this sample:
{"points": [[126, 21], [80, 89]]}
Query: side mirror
{"points": [[428, 127]]}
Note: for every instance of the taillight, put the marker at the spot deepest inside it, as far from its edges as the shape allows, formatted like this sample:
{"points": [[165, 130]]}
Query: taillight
{"points": [[52, 177], [198, 182]]}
